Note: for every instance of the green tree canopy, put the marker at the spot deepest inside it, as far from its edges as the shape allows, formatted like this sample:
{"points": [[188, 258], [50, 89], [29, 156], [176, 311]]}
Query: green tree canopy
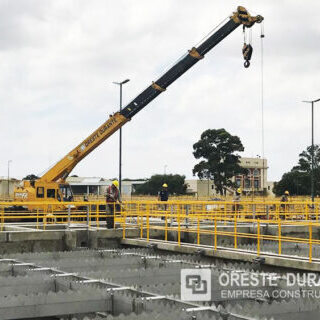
{"points": [[295, 182], [31, 177], [176, 184], [217, 148], [304, 164], [298, 180]]}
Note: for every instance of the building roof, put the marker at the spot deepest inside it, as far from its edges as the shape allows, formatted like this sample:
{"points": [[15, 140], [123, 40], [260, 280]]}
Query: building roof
{"points": [[88, 181], [6, 179]]}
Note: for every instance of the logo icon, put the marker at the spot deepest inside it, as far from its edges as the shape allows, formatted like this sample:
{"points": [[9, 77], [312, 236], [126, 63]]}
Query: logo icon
{"points": [[195, 284]]}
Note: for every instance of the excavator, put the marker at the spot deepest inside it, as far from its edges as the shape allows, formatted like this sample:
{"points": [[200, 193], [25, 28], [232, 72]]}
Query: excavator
{"points": [[52, 185]]}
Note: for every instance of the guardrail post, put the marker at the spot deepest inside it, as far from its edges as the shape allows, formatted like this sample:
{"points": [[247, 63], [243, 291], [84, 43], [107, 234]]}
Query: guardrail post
{"points": [[166, 227], [179, 227], [279, 237], [97, 215], [148, 222], [235, 232], [187, 213], [141, 222], [69, 215], [225, 213], [198, 230], [254, 211], [124, 226], [88, 210], [215, 233], [114, 214], [37, 218], [44, 219], [258, 237], [310, 242], [2, 218]]}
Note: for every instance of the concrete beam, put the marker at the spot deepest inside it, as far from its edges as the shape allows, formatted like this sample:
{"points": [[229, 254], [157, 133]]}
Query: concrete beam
{"points": [[283, 261]]}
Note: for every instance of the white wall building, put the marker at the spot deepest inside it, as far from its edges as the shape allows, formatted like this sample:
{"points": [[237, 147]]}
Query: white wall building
{"points": [[7, 187]]}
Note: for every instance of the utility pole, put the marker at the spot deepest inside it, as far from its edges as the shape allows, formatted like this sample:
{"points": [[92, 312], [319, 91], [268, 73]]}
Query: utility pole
{"points": [[312, 147], [120, 134]]}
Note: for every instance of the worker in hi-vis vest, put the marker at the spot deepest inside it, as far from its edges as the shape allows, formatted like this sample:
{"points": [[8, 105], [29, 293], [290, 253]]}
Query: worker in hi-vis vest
{"points": [[112, 198]]}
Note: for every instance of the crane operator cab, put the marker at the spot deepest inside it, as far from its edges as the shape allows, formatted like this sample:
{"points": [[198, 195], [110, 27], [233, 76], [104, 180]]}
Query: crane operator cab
{"points": [[43, 191], [61, 192], [66, 192]]}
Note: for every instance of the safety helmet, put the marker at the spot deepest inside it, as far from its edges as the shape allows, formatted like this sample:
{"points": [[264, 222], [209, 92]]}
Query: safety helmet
{"points": [[286, 192], [165, 185], [115, 183], [239, 190]]}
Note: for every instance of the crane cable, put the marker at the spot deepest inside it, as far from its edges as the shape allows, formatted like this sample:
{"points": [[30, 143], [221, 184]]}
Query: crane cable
{"points": [[262, 106]]}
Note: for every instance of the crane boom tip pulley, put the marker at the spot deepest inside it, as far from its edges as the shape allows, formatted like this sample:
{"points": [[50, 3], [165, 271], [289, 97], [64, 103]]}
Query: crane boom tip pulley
{"points": [[242, 16]]}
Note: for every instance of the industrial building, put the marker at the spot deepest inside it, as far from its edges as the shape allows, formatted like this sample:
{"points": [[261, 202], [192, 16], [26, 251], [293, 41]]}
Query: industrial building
{"points": [[254, 182]]}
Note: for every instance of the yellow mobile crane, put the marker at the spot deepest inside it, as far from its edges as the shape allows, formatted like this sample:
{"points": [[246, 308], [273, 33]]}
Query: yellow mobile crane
{"points": [[52, 185]]}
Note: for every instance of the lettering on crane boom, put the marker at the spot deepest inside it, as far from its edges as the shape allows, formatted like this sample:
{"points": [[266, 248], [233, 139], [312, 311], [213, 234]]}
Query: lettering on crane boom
{"points": [[99, 133]]}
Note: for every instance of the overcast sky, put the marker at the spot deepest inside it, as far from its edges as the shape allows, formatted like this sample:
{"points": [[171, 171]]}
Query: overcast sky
{"points": [[58, 60]]}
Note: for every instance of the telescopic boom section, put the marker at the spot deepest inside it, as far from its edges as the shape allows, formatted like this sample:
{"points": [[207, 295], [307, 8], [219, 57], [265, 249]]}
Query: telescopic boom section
{"points": [[63, 168]]}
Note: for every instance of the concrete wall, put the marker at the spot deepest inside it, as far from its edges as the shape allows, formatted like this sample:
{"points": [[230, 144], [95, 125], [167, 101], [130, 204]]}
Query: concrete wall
{"points": [[4, 187], [201, 188]]}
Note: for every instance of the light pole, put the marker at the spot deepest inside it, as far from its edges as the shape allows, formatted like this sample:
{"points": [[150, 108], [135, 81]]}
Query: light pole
{"points": [[9, 161], [165, 169], [120, 132], [312, 148]]}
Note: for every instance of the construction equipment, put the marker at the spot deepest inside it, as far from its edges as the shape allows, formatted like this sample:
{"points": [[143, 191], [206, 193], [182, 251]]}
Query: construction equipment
{"points": [[52, 185]]}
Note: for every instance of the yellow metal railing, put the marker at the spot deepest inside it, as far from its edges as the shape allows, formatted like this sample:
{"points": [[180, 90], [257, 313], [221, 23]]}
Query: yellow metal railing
{"points": [[45, 212], [212, 224], [215, 219], [209, 218]]}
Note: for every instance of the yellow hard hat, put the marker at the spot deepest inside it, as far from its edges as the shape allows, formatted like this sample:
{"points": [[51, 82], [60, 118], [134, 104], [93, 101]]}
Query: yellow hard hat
{"points": [[239, 190], [286, 192], [165, 185], [115, 183]]}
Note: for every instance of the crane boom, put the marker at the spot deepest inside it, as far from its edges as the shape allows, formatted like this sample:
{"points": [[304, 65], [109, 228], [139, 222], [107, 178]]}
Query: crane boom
{"points": [[63, 168]]}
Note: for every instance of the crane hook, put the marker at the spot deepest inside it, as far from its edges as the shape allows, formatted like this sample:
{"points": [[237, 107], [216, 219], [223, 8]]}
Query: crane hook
{"points": [[247, 53]]}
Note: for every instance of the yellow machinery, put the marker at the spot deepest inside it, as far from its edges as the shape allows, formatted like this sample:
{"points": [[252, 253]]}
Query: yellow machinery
{"points": [[52, 185]]}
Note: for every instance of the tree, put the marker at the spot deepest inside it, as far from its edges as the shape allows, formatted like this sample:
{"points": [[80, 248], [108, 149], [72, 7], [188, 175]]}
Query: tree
{"points": [[220, 163], [297, 181], [305, 157], [31, 177], [176, 184]]}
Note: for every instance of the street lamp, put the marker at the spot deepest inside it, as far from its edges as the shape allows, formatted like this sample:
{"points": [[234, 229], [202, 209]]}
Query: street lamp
{"points": [[120, 131], [165, 169], [312, 148], [9, 161]]}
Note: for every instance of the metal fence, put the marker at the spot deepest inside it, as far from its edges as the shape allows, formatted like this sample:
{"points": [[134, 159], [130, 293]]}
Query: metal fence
{"points": [[200, 218]]}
